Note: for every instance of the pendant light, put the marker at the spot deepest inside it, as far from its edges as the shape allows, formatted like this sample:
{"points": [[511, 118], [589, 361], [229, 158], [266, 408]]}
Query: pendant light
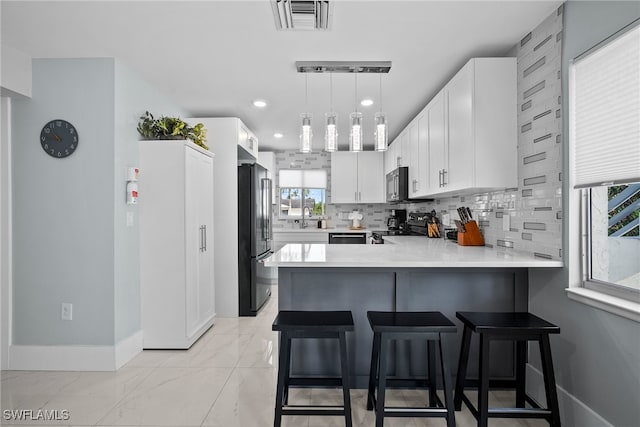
{"points": [[380, 137], [306, 133], [331, 123], [355, 119]]}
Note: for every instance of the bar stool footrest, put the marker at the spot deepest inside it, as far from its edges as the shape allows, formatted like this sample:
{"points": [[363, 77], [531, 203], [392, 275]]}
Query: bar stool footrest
{"points": [[312, 410], [535, 412], [315, 382]]}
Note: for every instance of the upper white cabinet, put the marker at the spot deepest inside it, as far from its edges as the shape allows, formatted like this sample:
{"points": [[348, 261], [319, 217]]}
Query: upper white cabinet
{"points": [[481, 102], [176, 243], [247, 142], [465, 139], [390, 158], [357, 177]]}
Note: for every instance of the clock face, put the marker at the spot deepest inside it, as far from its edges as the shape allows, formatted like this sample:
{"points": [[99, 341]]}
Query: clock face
{"points": [[59, 138]]}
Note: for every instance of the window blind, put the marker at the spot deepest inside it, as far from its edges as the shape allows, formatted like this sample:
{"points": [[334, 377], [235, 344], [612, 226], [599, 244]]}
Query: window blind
{"points": [[604, 112], [302, 178]]}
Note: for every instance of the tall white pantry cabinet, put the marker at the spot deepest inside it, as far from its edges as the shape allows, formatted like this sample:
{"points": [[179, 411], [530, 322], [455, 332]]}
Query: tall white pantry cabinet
{"points": [[176, 243]]}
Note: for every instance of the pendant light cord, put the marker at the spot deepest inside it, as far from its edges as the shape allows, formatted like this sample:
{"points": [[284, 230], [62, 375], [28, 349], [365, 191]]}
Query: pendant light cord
{"points": [[380, 92], [331, 91], [306, 91], [355, 99]]}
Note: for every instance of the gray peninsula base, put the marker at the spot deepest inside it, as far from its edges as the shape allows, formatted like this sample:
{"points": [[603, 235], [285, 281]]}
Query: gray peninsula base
{"points": [[399, 289]]}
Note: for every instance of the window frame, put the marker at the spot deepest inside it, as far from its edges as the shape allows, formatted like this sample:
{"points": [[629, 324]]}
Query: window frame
{"points": [[619, 300], [297, 217]]}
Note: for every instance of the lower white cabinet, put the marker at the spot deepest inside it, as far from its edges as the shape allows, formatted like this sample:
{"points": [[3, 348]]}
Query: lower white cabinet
{"points": [[176, 243], [357, 177]]}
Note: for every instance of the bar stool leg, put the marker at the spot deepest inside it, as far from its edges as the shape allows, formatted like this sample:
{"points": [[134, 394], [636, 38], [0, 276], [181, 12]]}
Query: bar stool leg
{"points": [[373, 372], [462, 368], [483, 388], [346, 396], [446, 387], [521, 366], [431, 360], [382, 381], [549, 380], [283, 360], [287, 373]]}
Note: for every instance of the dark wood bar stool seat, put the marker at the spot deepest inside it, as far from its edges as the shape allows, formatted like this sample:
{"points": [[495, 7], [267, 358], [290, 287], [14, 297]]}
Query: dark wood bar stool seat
{"points": [[311, 324], [518, 327], [389, 326]]}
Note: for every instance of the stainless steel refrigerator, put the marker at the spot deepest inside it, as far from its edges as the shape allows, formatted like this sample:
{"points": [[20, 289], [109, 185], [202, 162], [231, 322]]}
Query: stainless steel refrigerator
{"points": [[254, 237]]}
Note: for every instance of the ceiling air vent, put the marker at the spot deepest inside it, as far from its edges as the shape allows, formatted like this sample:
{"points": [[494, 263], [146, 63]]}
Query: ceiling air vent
{"points": [[302, 14]]}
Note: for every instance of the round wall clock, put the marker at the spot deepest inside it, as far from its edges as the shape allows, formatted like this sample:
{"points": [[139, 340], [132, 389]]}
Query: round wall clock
{"points": [[59, 138]]}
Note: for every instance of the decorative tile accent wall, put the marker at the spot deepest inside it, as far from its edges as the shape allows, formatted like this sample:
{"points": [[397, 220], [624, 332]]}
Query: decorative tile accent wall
{"points": [[535, 207], [374, 216]]}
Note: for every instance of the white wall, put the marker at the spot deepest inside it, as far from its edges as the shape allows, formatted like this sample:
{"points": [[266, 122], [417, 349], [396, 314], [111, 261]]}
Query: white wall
{"points": [[5, 231]]}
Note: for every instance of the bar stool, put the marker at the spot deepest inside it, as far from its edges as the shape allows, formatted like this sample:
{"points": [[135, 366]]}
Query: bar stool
{"points": [[311, 324], [518, 327], [429, 326]]}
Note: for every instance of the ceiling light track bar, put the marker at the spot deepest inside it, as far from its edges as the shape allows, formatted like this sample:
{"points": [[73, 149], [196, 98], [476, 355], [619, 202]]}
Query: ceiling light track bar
{"points": [[343, 66]]}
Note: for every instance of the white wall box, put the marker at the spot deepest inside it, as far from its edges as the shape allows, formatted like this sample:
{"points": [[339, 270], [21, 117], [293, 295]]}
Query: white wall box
{"points": [[357, 177], [176, 243]]}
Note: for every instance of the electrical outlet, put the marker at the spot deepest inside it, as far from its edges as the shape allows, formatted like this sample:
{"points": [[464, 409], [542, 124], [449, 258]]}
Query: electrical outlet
{"points": [[66, 311], [506, 222]]}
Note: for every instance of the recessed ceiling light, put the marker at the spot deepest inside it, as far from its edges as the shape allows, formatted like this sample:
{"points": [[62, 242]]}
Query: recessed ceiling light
{"points": [[259, 103], [366, 102], [278, 135]]}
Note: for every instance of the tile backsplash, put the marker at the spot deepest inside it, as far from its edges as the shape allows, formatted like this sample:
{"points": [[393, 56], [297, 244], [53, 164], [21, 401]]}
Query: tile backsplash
{"points": [[534, 209]]}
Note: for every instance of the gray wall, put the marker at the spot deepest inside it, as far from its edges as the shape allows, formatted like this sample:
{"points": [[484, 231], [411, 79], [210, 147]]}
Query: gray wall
{"points": [[597, 354], [133, 96], [71, 242], [63, 208]]}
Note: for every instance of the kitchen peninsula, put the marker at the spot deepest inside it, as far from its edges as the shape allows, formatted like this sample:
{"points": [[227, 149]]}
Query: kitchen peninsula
{"points": [[408, 273]]}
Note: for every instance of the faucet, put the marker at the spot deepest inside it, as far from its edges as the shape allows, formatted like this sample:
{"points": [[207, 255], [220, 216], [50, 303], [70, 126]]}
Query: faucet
{"points": [[303, 224]]}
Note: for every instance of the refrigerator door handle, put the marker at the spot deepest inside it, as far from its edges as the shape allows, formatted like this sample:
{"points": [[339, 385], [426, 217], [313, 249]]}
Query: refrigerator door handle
{"points": [[264, 207]]}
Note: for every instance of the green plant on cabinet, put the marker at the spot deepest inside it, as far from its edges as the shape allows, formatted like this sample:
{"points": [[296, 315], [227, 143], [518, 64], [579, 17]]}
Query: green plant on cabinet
{"points": [[171, 128]]}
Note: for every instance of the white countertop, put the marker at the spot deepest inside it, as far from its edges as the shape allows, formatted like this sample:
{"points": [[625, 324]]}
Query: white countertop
{"points": [[315, 229], [403, 251]]}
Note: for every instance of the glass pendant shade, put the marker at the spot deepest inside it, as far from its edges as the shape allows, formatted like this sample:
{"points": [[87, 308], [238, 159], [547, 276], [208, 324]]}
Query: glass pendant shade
{"points": [[331, 132], [306, 134], [355, 134], [380, 135]]}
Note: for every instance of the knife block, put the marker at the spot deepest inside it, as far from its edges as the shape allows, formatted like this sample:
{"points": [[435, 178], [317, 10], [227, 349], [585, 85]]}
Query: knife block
{"points": [[472, 236]]}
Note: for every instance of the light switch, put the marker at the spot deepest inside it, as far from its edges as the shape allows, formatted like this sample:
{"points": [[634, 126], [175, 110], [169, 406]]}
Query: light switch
{"points": [[130, 219]]}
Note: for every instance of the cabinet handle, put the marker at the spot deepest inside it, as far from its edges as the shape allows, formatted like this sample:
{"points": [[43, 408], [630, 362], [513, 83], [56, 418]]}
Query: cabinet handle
{"points": [[440, 178], [359, 196], [355, 196], [444, 172], [204, 237], [200, 237]]}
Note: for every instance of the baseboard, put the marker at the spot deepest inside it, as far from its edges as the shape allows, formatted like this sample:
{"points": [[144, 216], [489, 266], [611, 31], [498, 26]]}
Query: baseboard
{"points": [[74, 357], [128, 348], [573, 412]]}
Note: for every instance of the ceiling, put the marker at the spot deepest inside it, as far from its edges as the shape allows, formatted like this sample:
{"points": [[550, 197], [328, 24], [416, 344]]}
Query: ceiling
{"points": [[215, 57]]}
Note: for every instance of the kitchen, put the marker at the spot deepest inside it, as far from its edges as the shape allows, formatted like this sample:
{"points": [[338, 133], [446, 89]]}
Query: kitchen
{"points": [[597, 383]]}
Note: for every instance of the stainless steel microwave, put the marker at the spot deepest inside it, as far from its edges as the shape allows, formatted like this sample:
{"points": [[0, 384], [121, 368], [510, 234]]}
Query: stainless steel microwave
{"points": [[398, 185]]}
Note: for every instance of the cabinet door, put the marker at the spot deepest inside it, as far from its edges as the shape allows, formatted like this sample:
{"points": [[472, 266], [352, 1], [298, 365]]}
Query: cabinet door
{"points": [[402, 152], [193, 239], [390, 158], [414, 158], [370, 179], [461, 169], [344, 177], [205, 261], [438, 158], [422, 154]]}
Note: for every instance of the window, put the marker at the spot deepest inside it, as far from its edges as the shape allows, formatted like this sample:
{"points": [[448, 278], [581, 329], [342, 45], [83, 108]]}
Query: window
{"points": [[604, 114], [302, 191]]}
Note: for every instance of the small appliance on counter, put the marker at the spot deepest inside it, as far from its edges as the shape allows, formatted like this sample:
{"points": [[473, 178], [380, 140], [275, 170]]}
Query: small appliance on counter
{"points": [[468, 232], [397, 219], [424, 223]]}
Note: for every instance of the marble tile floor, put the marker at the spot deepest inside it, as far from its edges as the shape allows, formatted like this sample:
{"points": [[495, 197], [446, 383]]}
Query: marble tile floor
{"points": [[227, 379]]}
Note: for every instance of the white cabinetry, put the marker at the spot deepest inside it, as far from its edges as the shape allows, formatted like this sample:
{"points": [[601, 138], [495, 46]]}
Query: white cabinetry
{"points": [[247, 142], [418, 156], [176, 243], [228, 136], [438, 157], [357, 177], [481, 106]]}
